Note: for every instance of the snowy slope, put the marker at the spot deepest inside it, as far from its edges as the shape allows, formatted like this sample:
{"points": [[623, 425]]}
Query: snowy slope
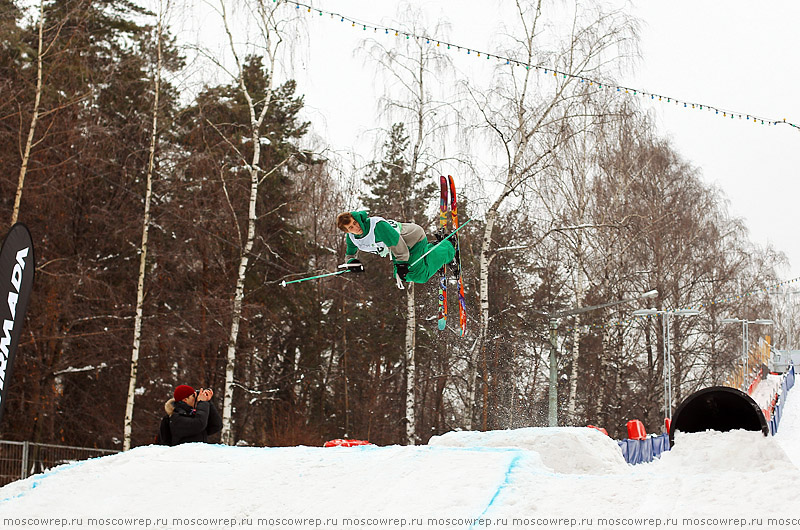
{"points": [[788, 435], [461, 480], [766, 390]]}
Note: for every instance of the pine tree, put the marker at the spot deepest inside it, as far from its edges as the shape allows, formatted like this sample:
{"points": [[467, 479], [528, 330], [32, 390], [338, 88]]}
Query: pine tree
{"points": [[275, 322], [394, 192]]}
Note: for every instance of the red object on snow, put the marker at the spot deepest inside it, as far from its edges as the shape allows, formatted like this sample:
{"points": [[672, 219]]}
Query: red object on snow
{"points": [[668, 424], [636, 430], [602, 430], [343, 442]]}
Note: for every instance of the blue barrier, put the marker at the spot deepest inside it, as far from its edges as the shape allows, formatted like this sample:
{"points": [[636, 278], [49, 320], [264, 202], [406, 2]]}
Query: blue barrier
{"points": [[786, 384], [640, 451]]}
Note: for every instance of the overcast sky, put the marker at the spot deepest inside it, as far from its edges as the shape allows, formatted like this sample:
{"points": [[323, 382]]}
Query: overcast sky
{"points": [[745, 57], [735, 55], [732, 55]]}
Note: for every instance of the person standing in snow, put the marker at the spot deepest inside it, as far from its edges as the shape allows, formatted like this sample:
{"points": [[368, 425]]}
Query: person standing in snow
{"points": [[192, 416], [405, 242]]}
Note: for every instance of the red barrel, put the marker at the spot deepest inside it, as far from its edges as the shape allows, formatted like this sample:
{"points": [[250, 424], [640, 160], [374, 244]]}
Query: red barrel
{"points": [[636, 430]]}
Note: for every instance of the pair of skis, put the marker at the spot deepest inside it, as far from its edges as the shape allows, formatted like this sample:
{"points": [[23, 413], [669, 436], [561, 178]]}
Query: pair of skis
{"points": [[447, 203]]}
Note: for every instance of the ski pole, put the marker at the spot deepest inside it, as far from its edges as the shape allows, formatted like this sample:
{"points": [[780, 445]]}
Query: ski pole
{"points": [[439, 243], [284, 283]]}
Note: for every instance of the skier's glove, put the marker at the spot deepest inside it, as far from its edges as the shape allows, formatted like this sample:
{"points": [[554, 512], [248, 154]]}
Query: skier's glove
{"points": [[353, 266], [402, 270]]}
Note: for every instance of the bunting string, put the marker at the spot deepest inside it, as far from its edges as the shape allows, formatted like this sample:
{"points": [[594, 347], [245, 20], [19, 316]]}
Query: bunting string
{"points": [[546, 70]]}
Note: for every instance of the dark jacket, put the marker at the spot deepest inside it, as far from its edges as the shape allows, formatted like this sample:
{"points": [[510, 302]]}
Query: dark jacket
{"points": [[189, 424]]}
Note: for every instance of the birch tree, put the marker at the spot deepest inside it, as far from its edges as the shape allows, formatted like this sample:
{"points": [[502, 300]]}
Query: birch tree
{"points": [[30, 142], [34, 117], [420, 71], [163, 7], [524, 111], [268, 40]]}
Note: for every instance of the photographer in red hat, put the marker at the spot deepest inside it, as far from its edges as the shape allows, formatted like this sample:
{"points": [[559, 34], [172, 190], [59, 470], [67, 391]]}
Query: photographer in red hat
{"points": [[192, 416]]}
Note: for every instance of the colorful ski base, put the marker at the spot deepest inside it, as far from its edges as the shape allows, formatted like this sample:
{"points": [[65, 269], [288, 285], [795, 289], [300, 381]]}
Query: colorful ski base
{"points": [[462, 304], [443, 205], [448, 202]]}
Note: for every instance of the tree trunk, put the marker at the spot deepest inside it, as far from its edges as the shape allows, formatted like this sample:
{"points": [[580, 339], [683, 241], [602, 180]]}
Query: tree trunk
{"points": [[34, 119], [238, 297], [483, 330], [137, 327], [411, 318], [256, 122], [576, 340]]}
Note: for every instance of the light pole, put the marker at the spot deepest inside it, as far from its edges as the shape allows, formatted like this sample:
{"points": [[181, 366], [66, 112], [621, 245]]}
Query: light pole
{"points": [[552, 404], [746, 337], [665, 314]]}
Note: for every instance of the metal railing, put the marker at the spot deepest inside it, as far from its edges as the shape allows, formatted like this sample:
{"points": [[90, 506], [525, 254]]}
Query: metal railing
{"points": [[19, 460]]}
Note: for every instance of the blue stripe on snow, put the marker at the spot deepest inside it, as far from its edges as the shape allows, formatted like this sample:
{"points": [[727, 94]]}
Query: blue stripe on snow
{"points": [[39, 477], [506, 482]]}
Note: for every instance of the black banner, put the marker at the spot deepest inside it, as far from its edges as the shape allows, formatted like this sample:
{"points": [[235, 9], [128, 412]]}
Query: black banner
{"points": [[16, 282]]}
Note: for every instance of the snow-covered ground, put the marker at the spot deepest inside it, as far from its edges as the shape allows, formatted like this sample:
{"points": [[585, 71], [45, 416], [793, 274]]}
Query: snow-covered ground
{"points": [[559, 478], [766, 389]]}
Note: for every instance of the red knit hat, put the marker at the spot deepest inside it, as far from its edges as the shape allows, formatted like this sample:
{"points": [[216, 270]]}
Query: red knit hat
{"points": [[182, 392]]}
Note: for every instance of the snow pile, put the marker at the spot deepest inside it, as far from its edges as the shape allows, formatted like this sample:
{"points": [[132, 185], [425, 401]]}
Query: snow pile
{"points": [[567, 450], [719, 452]]}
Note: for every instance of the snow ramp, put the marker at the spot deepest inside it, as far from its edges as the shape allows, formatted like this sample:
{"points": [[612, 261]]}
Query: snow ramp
{"points": [[567, 450]]}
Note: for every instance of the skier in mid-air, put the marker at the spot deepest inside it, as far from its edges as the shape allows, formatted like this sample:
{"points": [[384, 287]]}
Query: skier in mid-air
{"points": [[405, 242]]}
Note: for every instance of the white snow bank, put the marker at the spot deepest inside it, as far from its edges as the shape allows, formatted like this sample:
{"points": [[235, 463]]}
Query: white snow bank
{"points": [[568, 450], [719, 452], [200, 480], [506, 476], [788, 435]]}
